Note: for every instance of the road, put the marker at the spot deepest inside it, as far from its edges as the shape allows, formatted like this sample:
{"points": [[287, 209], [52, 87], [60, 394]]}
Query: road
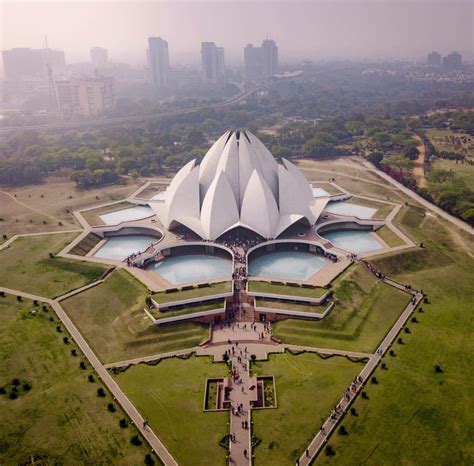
{"points": [[131, 119]]}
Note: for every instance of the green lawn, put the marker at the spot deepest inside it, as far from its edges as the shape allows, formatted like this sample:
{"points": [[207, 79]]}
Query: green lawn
{"points": [[307, 388], [271, 304], [173, 312], [111, 318], [26, 266], [390, 237], [61, 420], [364, 314], [170, 396], [213, 288], [267, 287], [463, 170], [416, 416]]}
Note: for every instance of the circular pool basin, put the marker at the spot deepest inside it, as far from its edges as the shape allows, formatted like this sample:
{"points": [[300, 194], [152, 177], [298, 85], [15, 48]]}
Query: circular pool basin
{"points": [[287, 265], [349, 209], [120, 247], [193, 268]]}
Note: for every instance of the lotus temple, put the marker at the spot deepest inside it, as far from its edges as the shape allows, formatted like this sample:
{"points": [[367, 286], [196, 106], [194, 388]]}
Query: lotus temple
{"points": [[227, 238]]}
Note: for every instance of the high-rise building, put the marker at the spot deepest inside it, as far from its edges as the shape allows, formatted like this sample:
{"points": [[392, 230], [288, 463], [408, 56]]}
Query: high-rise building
{"points": [[452, 61], [269, 57], [85, 96], [261, 62], [159, 62], [99, 57], [253, 62], [24, 62], [213, 62], [434, 59]]}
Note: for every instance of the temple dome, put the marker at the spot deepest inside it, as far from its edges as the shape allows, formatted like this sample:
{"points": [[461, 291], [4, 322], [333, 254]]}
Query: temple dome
{"points": [[238, 184]]}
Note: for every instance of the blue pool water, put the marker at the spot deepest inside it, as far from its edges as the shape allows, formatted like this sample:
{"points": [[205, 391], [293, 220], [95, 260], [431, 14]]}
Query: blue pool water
{"points": [[287, 265], [120, 247], [126, 215], [160, 196], [320, 192], [193, 268], [346, 208], [355, 241]]}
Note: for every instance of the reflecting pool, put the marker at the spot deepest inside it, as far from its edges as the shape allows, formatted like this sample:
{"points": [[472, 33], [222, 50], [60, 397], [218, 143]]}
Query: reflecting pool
{"points": [[125, 215], [355, 241], [120, 247], [287, 265], [347, 208], [193, 268], [320, 192]]}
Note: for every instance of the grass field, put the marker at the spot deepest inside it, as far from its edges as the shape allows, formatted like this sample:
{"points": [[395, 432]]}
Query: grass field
{"points": [[174, 312], [463, 170], [365, 312], [267, 287], [289, 306], [213, 288], [111, 318], [415, 415], [390, 237], [307, 388], [53, 198], [26, 266], [61, 420], [171, 396]]}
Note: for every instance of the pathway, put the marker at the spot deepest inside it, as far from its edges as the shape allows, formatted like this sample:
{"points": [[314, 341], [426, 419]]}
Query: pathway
{"points": [[419, 167]]}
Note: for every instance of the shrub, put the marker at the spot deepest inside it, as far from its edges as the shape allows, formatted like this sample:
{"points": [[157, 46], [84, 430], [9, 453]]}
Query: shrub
{"points": [[2, 391], [384, 366], [353, 411], [73, 352], [45, 308], [19, 298], [91, 378], [58, 328], [100, 392], [438, 368], [329, 450], [407, 330], [149, 461], [65, 340], [400, 341], [26, 386], [16, 382], [342, 430], [123, 423], [51, 255], [135, 440], [82, 365], [374, 380], [391, 352], [253, 357], [111, 407], [365, 396], [13, 395]]}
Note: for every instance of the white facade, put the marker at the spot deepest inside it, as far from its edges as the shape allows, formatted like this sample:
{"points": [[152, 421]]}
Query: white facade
{"points": [[238, 183]]}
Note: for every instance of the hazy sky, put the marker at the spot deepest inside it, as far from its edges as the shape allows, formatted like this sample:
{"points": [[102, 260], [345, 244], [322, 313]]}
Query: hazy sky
{"points": [[303, 30]]}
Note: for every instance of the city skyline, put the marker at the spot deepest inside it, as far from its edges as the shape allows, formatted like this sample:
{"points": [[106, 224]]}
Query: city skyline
{"points": [[325, 31]]}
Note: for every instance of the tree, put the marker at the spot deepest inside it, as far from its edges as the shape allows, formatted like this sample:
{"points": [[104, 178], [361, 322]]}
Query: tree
{"points": [[375, 158], [410, 152]]}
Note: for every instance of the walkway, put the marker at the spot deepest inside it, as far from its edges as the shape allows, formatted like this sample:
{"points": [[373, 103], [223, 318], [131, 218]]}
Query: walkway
{"points": [[419, 167]]}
